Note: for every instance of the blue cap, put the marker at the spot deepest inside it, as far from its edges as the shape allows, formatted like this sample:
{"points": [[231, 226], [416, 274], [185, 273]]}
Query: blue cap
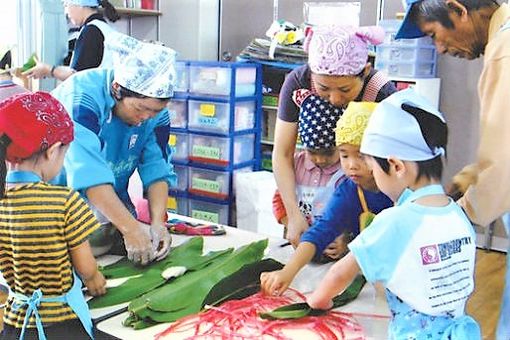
{"points": [[408, 29]]}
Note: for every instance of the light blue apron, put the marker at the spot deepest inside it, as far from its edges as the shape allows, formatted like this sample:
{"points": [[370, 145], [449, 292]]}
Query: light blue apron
{"points": [[313, 199], [73, 298], [503, 330], [427, 326]]}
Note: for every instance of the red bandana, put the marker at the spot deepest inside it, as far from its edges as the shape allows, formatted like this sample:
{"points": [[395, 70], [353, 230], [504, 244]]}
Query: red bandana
{"points": [[33, 122]]}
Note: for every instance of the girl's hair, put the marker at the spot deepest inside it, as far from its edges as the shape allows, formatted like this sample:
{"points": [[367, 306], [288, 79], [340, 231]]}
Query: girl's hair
{"points": [[435, 133], [439, 10], [109, 10], [4, 143]]}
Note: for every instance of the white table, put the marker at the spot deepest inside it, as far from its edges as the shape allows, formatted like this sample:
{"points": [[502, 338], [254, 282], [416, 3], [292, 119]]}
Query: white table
{"points": [[368, 302]]}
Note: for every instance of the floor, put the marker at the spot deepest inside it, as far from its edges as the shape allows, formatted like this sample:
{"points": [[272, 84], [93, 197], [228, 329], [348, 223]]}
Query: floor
{"points": [[483, 304]]}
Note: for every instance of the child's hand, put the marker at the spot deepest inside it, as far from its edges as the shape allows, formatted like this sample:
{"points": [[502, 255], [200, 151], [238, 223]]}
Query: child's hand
{"points": [[336, 248], [316, 302], [275, 283], [96, 285]]}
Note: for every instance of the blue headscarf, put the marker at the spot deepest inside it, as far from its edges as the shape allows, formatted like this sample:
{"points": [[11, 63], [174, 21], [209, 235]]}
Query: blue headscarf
{"points": [[83, 3]]}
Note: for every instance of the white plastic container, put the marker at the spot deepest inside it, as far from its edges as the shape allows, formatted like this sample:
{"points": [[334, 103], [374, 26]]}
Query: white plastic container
{"points": [[391, 28], [208, 211], [182, 77], [394, 53], [178, 109], [212, 116], [407, 69], [182, 178], [216, 150], [178, 143], [212, 183], [217, 80]]}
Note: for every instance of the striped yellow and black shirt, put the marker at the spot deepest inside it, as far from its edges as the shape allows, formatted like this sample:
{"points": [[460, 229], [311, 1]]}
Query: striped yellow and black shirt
{"points": [[39, 224]]}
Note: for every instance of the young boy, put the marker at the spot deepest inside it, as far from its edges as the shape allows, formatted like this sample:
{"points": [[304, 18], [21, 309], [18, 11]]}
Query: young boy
{"points": [[317, 168], [355, 197], [44, 228], [423, 249]]}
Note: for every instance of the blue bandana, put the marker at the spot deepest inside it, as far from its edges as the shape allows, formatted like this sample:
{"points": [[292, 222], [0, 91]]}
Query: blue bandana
{"points": [[83, 3]]}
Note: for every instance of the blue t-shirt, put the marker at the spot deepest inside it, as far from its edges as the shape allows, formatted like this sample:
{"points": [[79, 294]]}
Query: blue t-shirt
{"points": [[425, 257], [342, 214]]}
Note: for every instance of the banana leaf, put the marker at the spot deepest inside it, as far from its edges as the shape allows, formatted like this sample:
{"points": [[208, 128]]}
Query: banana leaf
{"points": [[179, 254], [300, 310], [241, 284], [151, 276], [29, 63], [185, 295]]}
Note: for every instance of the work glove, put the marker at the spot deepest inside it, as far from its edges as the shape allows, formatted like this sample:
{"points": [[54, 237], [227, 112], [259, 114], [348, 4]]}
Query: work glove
{"points": [[161, 241], [138, 245]]}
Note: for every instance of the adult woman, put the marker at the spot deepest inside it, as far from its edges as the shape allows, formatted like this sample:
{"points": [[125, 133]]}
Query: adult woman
{"points": [[89, 51], [116, 113], [338, 71]]}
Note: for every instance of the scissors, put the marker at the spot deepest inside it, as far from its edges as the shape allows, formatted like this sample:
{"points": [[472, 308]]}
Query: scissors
{"points": [[177, 226]]}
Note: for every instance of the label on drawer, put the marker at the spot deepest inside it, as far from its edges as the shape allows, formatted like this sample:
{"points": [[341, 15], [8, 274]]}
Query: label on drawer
{"points": [[206, 216], [206, 185], [172, 140], [171, 203], [206, 152], [207, 110], [208, 121]]}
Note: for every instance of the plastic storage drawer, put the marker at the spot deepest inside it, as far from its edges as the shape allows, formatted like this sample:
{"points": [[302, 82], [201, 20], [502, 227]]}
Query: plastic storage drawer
{"points": [[216, 150], [209, 211], [212, 116], [182, 178], [405, 69], [178, 109], [177, 205], [394, 53], [212, 183], [391, 27], [178, 143], [182, 76], [217, 80]]}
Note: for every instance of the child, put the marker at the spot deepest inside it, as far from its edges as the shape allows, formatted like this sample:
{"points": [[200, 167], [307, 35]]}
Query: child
{"points": [[355, 197], [423, 249], [317, 168], [43, 228]]}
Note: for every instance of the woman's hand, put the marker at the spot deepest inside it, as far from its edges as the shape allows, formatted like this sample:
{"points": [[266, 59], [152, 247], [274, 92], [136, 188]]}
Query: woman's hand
{"points": [[138, 244], [276, 282], [39, 71], [96, 285], [296, 226], [161, 241]]}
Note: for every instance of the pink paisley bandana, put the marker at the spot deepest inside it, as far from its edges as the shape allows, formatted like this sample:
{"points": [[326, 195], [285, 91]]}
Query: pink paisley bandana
{"points": [[340, 50], [33, 122]]}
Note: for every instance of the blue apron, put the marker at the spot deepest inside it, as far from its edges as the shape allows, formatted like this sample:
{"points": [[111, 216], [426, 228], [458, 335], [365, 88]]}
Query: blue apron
{"points": [[428, 326], [313, 199], [73, 298]]}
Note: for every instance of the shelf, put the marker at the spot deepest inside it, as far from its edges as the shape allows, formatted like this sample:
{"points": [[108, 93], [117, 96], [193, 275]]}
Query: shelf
{"points": [[266, 142], [267, 107], [136, 12]]}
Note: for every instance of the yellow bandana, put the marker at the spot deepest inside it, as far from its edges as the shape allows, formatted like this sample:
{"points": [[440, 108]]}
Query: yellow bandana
{"points": [[353, 122]]}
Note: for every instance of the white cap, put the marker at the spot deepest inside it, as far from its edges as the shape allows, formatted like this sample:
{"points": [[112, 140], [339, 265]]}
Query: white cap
{"points": [[147, 69], [392, 131]]}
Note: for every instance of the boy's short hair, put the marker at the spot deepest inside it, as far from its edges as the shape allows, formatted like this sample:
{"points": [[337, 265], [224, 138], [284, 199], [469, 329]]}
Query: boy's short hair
{"points": [[431, 169], [6, 61], [322, 152]]}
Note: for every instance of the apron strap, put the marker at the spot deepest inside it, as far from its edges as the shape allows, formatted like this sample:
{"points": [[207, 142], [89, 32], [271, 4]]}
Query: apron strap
{"points": [[362, 200], [374, 85]]}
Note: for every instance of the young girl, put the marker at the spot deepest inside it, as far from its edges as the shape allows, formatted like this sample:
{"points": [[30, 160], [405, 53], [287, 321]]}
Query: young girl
{"points": [[318, 170], [356, 196], [423, 249], [43, 228]]}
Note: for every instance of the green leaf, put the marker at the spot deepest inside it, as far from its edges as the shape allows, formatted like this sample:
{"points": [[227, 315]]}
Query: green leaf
{"points": [[30, 63], [185, 294], [300, 310], [242, 283]]}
